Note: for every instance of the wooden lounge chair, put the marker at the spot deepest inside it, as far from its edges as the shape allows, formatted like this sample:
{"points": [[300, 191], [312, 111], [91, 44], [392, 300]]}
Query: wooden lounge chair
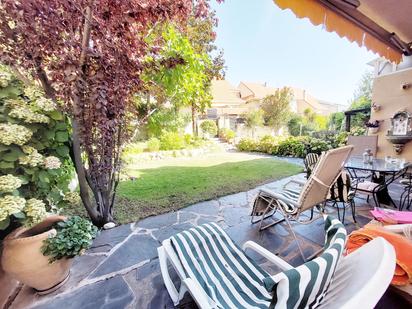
{"points": [[218, 274]]}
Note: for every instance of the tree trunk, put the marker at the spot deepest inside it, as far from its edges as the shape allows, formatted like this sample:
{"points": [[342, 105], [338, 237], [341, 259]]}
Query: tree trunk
{"points": [[194, 122]]}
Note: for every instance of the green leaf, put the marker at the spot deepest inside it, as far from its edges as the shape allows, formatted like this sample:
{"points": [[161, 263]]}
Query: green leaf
{"points": [[61, 126], [3, 148], [63, 150], [62, 136], [4, 224], [19, 215], [24, 179], [49, 134], [12, 156], [44, 177], [6, 165], [56, 115]]}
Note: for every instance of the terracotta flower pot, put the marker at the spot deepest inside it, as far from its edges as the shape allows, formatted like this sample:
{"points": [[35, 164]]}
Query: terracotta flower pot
{"points": [[22, 258]]}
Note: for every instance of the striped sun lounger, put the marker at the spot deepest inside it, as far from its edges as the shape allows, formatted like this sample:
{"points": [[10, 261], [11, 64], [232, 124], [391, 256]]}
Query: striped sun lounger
{"points": [[218, 274]]}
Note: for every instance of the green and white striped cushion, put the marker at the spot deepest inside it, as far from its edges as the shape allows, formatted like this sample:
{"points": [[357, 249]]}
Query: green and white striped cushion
{"points": [[306, 285], [226, 274]]}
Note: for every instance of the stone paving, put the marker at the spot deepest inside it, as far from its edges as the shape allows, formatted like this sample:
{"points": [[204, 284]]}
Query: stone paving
{"points": [[121, 270]]}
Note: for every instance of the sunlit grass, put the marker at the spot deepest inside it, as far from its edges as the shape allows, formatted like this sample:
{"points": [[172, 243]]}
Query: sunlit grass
{"points": [[163, 188]]}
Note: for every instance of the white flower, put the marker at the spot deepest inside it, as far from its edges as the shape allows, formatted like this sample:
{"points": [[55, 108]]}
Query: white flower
{"points": [[33, 159], [73, 198], [27, 115], [14, 134], [46, 105], [9, 183], [52, 163], [5, 78], [10, 205], [35, 211]]}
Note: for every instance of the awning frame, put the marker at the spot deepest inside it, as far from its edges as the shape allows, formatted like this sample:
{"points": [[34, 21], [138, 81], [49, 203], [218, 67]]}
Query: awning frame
{"points": [[347, 9]]}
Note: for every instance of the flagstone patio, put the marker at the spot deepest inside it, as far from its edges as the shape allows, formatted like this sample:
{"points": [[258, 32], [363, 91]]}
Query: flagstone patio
{"points": [[121, 270]]}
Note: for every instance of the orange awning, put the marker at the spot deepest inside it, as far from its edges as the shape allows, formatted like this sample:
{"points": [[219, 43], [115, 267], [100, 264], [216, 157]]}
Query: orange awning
{"points": [[341, 21]]}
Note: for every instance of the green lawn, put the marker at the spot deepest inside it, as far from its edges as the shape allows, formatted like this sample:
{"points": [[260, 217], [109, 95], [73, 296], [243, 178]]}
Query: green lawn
{"points": [[169, 185]]}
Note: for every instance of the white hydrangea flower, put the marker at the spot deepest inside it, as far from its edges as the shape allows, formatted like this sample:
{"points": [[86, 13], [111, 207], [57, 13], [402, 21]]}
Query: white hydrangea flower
{"points": [[14, 134], [35, 211], [27, 115], [73, 198], [33, 92], [10, 205], [52, 163], [5, 78], [28, 149], [9, 183], [46, 105], [33, 159]]}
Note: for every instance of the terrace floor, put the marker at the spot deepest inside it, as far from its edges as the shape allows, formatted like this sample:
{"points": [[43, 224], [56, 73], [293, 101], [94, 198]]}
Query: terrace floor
{"points": [[121, 270]]}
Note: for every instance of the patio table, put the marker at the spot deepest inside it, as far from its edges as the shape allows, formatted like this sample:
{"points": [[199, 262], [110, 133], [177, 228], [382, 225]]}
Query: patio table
{"points": [[383, 173]]}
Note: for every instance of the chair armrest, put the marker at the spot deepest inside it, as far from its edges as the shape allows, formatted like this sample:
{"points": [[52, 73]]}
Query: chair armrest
{"points": [[197, 293], [278, 196], [298, 181], [267, 254]]}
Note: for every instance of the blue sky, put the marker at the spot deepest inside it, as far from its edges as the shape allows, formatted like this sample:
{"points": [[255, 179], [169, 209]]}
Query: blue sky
{"points": [[262, 43]]}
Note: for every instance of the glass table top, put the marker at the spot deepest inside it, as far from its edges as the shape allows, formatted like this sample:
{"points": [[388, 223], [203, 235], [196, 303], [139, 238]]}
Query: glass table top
{"points": [[377, 165]]}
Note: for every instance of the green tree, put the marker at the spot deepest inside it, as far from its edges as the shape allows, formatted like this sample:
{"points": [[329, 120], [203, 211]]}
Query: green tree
{"points": [[362, 98], [254, 119], [276, 108], [336, 120], [295, 124]]}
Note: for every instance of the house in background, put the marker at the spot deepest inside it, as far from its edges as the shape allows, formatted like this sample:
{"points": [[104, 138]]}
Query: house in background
{"points": [[230, 103], [227, 105]]}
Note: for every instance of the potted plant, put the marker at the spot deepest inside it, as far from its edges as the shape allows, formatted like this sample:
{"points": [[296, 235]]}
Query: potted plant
{"points": [[376, 107], [373, 126], [41, 256]]}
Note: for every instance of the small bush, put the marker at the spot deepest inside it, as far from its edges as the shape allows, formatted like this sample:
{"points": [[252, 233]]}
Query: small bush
{"points": [[226, 134], [292, 146], [134, 149], [209, 127], [188, 138], [247, 144], [268, 144], [171, 141], [316, 145], [153, 144]]}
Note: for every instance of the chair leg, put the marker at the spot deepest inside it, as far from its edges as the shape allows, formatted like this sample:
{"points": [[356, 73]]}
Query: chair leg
{"points": [[367, 199], [296, 239], [375, 199], [344, 213], [337, 206], [265, 216], [352, 205]]}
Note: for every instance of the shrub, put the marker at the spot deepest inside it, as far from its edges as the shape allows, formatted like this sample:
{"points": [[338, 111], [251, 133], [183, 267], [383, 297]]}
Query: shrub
{"points": [[227, 134], [74, 236], [171, 141], [166, 120], [188, 138], [247, 144], [153, 144], [268, 144], [209, 127], [292, 146], [134, 149], [316, 145], [35, 166]]}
